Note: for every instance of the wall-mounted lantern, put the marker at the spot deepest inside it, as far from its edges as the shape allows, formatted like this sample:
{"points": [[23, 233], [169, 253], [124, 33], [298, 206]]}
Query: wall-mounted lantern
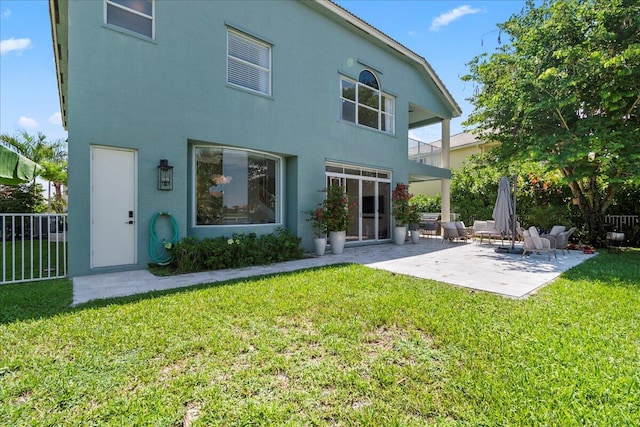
{"points": [[165, 175]]}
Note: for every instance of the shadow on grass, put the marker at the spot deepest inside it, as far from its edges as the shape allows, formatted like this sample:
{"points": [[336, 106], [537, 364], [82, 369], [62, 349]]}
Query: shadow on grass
{"points": [[615, 269], [39, 300], [34, 300]]}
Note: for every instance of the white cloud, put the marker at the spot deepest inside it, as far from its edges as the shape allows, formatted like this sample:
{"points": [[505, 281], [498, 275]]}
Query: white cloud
{"points": [[27, 122], [450, 16], [6, 13], [55, 119], [12, 44]]}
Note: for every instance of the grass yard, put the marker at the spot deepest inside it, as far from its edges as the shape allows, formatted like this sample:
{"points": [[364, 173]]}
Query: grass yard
{"points": [[343, 345]]}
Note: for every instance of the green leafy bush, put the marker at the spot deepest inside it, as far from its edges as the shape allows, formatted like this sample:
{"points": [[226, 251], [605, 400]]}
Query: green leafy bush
{"points": [[424, 203], [545, 216], [241, 250]]}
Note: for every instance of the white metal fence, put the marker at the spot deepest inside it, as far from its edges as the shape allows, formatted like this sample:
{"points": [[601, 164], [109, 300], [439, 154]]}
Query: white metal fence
{"points": [[33, 247]]}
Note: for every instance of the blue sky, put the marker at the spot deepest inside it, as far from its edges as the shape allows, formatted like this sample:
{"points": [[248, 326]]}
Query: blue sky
{"points": [[447, 33]]}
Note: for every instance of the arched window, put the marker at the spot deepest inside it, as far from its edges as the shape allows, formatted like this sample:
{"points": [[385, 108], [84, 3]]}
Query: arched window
{"points": [[367, 78], [365, 104]]}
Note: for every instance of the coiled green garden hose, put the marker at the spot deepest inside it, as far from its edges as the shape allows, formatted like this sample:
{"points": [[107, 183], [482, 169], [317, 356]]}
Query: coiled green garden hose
{"points": [[160, 250]]}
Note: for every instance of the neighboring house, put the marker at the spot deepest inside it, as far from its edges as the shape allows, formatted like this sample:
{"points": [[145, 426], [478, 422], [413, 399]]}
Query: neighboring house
{"points": [[256, 105], [462, 146]]}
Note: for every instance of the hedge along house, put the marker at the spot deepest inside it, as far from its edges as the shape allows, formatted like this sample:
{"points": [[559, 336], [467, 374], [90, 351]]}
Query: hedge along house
{"points": [[256, 105]]}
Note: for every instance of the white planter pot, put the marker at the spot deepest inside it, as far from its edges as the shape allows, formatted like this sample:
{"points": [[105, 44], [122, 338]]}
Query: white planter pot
{"points": [[320, 244], [415, 236], [337, 239], [399, 235]]}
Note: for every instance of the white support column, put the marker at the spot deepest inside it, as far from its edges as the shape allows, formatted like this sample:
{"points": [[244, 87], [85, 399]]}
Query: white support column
{"points": [[445, 184]]}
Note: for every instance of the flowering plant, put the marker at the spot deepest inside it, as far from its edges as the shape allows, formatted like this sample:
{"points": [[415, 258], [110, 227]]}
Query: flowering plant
{"points": [[414, 216], [317, 220], [335, 209], [402, 211]]}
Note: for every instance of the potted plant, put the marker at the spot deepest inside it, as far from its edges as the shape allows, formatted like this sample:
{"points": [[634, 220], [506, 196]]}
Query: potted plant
{"points": [[336, 216], [317, 219], [401, 211], [414, 223]]}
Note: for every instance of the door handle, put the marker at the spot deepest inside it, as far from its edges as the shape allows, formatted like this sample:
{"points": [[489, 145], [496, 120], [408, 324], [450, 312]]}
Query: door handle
{"points": [[128, 222]]}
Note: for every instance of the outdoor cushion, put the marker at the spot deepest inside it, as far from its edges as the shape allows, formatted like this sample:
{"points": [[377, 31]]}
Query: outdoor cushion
{"points": [[479, 225], [449, 231], [556, 229], [491, 225], [462, 230], [535, 237], [529, 247], [449, 225]]}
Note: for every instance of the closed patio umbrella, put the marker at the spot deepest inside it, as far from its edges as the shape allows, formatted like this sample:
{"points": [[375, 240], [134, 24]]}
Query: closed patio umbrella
{"points": [[504, 213], [15, 168], [503, 210]]}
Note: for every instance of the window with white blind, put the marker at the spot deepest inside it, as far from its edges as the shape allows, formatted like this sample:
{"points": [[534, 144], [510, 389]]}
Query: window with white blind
{"points": [[365, 104], [248, 63], [132, 15]]}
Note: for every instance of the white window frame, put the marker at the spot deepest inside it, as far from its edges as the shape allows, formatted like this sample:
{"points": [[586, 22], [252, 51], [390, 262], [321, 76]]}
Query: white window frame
{"points": [[279, 188], [265, 70], [384, 117], [134, 12]]}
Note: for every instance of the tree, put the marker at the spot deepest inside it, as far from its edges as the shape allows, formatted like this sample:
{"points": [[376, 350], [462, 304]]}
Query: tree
{"points": [[21, 199], [565, 92], [51, 155]]}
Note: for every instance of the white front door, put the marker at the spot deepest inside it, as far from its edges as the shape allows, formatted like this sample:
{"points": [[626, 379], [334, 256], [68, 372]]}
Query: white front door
{"points": [[113, 207]]}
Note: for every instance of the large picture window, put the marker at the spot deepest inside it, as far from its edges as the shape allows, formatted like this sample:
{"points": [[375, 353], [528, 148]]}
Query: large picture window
{"points": [[236, 187], [364, 103], [248, 63], [132, 15]]}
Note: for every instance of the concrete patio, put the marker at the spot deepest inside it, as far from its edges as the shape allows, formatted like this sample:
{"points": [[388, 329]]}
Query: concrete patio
{"points": [[470, 265]]}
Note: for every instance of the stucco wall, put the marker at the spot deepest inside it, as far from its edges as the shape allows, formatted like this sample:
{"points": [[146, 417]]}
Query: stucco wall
{"points": [[157, 96]]}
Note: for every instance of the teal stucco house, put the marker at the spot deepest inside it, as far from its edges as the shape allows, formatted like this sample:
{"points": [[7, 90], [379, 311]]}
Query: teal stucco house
{"points": [[232, 115]]}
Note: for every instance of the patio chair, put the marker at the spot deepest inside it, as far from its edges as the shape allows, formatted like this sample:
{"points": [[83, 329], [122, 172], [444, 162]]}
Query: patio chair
{"points": [[555, 230], [463, 234], [562, 240], [449, 231], [429, 227], [533, 243], [553, 234]]}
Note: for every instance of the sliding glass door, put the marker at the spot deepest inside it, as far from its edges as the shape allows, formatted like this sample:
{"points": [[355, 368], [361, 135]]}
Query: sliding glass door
{"points": [[370, 194]]}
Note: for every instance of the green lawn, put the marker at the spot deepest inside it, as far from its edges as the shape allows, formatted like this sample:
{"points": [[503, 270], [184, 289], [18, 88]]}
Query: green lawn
{"points": [[343, 345]]}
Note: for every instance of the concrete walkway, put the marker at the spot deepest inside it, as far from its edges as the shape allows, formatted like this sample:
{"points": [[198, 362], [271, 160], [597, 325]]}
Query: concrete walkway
{"points": [[470, 265]]}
